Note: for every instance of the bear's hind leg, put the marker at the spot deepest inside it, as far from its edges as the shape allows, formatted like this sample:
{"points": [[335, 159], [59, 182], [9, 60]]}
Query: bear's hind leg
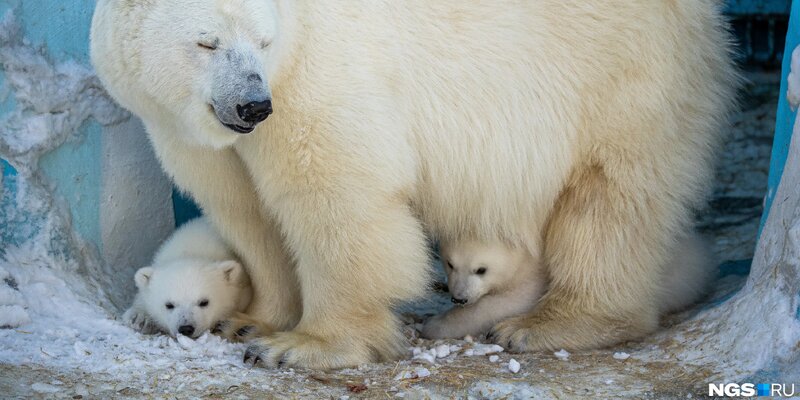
{"points": [[604, 246]]}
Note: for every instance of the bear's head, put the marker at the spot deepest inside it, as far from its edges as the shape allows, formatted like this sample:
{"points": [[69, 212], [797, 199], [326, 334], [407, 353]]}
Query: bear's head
{"points": [[189, 297], [197, 68], [475, 269]]}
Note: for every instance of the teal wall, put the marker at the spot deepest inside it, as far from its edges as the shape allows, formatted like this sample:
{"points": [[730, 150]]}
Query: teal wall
{"points": [[785, 116], [74, 168]]}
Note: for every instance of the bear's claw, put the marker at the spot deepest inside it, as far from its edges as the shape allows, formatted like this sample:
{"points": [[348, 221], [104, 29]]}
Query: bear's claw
{"points": [[244, 331], [242, 328], [252, 355], [219, 327]]}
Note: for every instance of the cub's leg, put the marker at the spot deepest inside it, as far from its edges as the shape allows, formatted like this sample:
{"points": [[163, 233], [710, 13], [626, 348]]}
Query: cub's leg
{"points": [[478, 318]]}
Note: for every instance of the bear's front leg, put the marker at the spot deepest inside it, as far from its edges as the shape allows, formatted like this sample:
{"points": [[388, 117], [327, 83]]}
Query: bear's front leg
{"points": [[221, 185], [356, 258]]}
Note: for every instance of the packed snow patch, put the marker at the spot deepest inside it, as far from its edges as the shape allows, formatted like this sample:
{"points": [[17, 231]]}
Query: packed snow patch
{"points": [[70, 332]]}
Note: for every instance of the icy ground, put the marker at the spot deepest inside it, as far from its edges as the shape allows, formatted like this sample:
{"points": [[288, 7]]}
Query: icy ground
{"points": [[55, 342]]}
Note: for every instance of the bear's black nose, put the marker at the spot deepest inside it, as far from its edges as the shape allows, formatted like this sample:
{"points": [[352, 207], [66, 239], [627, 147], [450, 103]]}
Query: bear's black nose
{"points": [[458, 301], [255, 111], [186, 330]]}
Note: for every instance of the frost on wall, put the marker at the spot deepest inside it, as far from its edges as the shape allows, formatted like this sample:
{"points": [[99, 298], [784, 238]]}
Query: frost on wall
{"points": [[52, 102]]}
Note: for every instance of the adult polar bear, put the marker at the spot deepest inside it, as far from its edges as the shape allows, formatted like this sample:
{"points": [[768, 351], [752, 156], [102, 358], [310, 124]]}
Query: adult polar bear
{"points": [[583, 130]]}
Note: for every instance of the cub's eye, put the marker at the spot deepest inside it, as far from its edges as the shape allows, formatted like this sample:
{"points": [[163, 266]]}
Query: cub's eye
{"points": [[449, 265], [169, 306], [481, 271], [203, 303], [265, 43]]}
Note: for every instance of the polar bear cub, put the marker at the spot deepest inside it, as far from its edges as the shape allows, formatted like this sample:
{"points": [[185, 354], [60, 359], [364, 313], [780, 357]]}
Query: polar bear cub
{"points": [[489, 282], [494, 281], [195, 282]]}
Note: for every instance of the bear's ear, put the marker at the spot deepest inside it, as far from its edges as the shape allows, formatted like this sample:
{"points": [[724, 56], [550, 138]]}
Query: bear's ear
{"points": [[143, 276], [232, 271]]}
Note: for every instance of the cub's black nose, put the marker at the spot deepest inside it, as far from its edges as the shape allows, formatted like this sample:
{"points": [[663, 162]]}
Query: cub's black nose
{"points": [[255, 111], [186, 330], [458, 301]]}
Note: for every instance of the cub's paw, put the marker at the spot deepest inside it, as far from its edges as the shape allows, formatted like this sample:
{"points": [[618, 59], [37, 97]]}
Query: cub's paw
{"points": [[437, 328], [139, 321], [241, 328], [296, 349], [514, 335]]}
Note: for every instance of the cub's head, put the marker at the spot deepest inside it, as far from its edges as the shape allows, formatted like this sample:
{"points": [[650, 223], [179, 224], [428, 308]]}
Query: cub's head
{"points": [[475, 269], [196, 68], [189, 297]]}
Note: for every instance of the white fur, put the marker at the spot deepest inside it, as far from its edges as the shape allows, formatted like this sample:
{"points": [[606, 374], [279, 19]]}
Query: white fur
{"points": [[512, 284], [193, 266], [581, 129]]}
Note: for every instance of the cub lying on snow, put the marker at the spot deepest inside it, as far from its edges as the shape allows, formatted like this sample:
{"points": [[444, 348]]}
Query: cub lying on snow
{"points": [[492, 281], [195, 282]]}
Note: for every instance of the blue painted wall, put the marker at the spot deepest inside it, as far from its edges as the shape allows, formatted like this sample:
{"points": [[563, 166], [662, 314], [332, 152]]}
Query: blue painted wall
{"points": [[785, 116], [749, 7], [63, 26]]}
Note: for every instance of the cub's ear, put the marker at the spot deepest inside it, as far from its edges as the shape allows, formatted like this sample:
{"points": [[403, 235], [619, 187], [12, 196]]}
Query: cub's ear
{"points": [[233, 272], [143, 276]]}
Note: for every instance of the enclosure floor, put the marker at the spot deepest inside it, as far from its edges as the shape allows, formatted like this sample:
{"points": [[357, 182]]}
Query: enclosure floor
{"points": [[651, 371], [594, 374]]}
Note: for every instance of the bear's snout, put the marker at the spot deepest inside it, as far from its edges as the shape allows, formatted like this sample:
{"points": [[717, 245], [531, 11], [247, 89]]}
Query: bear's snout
{"points": [[255, 111], [458, 301]]}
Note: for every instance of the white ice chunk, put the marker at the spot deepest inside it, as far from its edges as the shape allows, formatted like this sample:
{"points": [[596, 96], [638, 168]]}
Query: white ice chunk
{"points": [[481, 349], [562, 355], [621, 355], [513, 365], [442, 351], [415, 373]]}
